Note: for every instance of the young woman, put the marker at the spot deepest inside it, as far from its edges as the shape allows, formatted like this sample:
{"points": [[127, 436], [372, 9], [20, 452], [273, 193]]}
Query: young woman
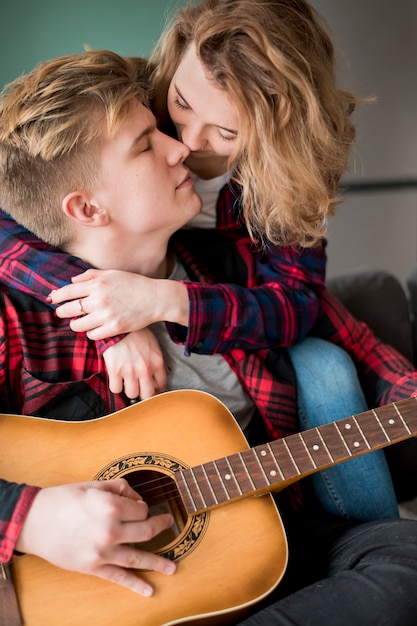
{"points": [[250, 87]]}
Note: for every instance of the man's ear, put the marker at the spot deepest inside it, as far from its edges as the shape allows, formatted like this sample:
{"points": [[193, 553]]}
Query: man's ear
{"points": [[77, 206]]}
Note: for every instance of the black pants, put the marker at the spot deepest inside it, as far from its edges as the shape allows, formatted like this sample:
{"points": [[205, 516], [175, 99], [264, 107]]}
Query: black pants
{"points": [[345, 574]]}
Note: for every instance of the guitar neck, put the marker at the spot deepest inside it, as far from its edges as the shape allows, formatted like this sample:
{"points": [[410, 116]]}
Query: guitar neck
{"points": [[275, 465]]}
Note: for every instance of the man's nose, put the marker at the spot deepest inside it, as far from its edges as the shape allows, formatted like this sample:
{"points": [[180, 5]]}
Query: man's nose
{"points": [[177, 151]]}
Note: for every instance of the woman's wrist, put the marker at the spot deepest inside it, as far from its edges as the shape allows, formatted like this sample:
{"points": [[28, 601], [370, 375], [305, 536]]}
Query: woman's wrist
{"points": [[174, 302]]}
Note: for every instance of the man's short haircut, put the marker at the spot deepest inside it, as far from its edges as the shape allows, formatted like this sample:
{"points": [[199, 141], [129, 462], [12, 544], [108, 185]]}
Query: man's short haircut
{"points": [[52, 123]]}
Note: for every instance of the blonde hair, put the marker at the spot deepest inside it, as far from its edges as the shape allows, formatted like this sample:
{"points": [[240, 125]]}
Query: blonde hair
{"points": [[276, 62], [52, 123]]}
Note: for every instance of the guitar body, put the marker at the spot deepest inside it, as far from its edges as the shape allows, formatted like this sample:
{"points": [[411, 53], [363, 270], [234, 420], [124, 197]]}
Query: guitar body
{"points": [[228, 557]]}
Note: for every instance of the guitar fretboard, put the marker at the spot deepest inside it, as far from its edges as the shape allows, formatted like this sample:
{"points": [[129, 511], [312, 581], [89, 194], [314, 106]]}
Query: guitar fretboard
{"points": [[275, 465]]}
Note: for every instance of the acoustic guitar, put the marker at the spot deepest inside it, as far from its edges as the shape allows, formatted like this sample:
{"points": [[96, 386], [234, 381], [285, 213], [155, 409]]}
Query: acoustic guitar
{"points": [[184, 453]]}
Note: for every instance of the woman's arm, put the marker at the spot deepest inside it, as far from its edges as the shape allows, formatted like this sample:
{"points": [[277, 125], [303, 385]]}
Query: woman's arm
{"points": [[33, 267], [386, 376], [207, 317], [265, 298]]}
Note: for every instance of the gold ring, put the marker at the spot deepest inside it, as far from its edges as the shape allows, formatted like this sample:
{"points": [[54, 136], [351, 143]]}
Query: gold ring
{"points": [[80, 304]]}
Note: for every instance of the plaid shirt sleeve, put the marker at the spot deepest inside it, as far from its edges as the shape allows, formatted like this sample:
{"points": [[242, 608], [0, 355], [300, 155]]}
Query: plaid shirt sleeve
{"points": [[386, 376], [35, 268], [277, 308], [15, 502]]}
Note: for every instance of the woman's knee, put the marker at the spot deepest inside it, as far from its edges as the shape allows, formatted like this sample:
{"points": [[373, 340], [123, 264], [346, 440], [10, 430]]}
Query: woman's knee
{"points": [[324, 362]]}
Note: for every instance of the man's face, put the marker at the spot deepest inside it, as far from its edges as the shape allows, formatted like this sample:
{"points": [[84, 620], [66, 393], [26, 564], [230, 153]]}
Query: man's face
{"points": [[144, 185]]}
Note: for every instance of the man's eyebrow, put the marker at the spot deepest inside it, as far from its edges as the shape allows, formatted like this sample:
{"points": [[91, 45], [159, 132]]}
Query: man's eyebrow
{"points": [[146, 131]]}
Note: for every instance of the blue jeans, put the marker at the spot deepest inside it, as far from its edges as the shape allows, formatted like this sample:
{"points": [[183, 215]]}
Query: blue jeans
{"points": [[328, 389]]}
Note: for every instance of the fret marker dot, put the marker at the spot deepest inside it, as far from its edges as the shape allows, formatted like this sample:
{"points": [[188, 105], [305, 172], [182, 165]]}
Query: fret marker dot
{"points": [[347, 426], [357, 444], [273, 473], [391, 421], [263, 453], [227, 476], [316, 447]]}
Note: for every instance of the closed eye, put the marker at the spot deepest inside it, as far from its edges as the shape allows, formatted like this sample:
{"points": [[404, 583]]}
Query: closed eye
{"points": [[180, 105], [229, 137]]}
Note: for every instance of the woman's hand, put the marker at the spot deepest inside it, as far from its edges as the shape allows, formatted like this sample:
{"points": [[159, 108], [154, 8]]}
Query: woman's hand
{"points": [[136, 365], [106, 303], [90, 528]]}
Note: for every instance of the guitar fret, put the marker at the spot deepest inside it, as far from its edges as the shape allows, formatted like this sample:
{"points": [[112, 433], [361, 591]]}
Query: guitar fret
{"points": [[197, 494], [380, 424], [401, 418], [332, 442], [307, 450], [262, 478], [216, 482], [352, 436], [186, 495], [233, 475], [265, 455], [241, 474], [229, 480], [218, 475], [331, 457], [250, 475], [204, 486], [358, 426], [317, 448], [297, 448], [283, 458], [253, 470], [394, 425], [297, 469], [267, 480], [410, 410], [342, 439]]}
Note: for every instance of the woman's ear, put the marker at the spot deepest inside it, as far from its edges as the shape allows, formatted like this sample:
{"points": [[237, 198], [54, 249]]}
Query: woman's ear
{"points": [[77, 206]]}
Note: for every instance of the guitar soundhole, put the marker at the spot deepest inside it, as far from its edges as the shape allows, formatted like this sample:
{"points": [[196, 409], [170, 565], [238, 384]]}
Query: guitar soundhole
{"points": [[151, 475], [161, 495]]}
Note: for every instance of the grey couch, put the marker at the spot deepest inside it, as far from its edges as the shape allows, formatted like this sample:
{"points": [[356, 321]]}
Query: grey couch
{"points": [[378, 298]]}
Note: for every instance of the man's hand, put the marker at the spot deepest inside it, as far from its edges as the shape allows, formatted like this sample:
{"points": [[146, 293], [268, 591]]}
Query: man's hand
{"points": [[87, 527], [136, 365]]}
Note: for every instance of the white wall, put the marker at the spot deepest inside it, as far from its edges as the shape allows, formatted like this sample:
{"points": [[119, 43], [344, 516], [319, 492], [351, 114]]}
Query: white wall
{"points": [[378, 56]]}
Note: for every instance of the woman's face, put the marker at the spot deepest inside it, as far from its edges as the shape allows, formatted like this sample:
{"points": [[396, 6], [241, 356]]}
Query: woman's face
{"points": [[205, 118]]}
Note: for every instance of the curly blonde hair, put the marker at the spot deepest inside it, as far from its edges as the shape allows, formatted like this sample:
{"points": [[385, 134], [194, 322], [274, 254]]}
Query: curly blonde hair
{"points": [[276, 61], [52, 124]]}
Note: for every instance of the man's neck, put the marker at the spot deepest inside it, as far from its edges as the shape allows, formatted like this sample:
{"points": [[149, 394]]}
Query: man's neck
{"points": [[151, 261]]}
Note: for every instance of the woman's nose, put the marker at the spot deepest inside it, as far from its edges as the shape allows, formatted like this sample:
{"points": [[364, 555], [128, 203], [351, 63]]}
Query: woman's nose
{"points": [[192, 137]]}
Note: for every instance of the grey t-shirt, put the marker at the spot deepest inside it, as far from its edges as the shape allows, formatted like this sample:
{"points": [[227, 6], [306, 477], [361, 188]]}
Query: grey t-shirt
{"points": [[210, 373]]}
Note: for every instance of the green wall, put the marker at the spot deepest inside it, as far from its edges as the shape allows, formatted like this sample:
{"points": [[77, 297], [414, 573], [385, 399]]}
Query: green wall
{"points": [[38, 30]]}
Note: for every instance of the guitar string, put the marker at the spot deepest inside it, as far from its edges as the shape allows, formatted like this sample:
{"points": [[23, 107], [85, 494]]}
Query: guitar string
{"points": [[166, 484]]}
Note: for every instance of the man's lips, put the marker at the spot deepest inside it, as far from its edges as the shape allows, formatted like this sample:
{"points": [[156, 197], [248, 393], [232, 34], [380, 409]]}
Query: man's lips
{"points": [[187, 181]]}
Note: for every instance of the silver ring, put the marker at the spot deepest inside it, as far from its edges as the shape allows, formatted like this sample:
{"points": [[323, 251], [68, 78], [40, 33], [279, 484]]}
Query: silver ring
{"points": [[80, 304]]}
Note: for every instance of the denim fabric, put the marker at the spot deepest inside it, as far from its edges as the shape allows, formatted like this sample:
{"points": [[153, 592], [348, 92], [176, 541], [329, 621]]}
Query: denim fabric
{"points": [[328, 389]]}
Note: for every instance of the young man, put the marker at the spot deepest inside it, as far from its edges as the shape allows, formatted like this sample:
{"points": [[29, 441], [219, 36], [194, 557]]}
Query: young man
{"points": [[105, 184], [84, 167]]}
